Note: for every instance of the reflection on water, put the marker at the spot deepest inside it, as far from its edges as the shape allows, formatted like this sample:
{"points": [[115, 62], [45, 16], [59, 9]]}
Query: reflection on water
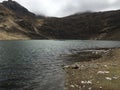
{"points": [[36, 65]]}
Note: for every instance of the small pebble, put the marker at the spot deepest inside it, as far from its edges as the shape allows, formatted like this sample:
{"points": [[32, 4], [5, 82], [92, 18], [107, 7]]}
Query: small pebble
{"points": [[76, 66], [80, 87], [115, 77], [76, 85], [106, 66], [84, 86], [103, 72], [72, 86], [98, 82], [100, 87], [86, 82], [89, 88], [108, 78]]}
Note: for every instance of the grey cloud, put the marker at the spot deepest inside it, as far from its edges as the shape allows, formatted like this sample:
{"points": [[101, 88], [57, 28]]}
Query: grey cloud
{"points": [[60, 8]]}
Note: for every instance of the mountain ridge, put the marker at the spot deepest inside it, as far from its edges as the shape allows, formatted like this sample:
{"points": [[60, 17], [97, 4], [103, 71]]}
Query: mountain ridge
{"points": [[16, 8], [19, 23]]}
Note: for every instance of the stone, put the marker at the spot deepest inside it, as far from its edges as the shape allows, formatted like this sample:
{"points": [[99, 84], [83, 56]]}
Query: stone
{"points": [[72, 86], [103, 72], [108, 78], [75, 66]]}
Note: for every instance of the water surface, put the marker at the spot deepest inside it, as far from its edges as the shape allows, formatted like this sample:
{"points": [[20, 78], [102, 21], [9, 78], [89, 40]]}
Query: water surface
{"points": [[36, 64]]}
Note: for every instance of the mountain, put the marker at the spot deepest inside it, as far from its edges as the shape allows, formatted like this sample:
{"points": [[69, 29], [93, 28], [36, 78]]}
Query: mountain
{"points": [[17, 8], [16, 22], [99, 25]]}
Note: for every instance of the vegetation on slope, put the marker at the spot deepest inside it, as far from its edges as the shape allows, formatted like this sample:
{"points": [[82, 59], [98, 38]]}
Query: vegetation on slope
{"points": [[18, 23], [100, 25], [15, 19]]}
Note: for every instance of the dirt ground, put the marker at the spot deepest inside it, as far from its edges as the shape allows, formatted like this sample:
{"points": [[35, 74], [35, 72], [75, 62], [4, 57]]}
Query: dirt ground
{"points": [[99, 74]]}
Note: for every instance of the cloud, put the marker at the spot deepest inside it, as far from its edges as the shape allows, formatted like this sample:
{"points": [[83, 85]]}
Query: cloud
{"points": [[60, 8]]}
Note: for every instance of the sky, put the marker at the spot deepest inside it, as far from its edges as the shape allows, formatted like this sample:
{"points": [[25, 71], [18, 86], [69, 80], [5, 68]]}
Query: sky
{"points": [[62, 8]]}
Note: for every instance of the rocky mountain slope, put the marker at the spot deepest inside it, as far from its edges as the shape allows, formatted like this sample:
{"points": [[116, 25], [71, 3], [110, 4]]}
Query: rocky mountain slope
{"points": [[16, 22], [100, 25]]}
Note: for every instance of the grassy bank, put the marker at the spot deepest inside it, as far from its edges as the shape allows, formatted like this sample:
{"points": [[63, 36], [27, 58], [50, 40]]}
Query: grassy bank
{"points": [[100, 74]]}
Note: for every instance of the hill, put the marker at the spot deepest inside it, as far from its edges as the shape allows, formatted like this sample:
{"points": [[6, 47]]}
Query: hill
{"points": [[17, 8], [16, 22], [99, 25]]}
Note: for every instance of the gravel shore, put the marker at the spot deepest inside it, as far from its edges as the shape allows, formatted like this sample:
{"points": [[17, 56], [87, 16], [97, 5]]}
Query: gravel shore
{"points": [[101, 72]]}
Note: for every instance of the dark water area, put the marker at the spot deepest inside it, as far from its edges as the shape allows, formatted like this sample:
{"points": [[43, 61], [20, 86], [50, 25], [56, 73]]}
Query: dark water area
{"points": [[37, 64]]}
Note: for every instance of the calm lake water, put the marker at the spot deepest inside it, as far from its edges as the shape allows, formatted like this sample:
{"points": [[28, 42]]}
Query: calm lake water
{"points": [[37, 64]]}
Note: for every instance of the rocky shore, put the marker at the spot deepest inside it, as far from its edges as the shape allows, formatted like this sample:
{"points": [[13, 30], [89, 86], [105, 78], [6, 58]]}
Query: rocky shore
{"points": [[99, 71]]}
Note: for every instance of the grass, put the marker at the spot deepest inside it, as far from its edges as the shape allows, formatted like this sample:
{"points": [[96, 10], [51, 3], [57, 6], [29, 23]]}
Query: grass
{"points": [[10, 36]]}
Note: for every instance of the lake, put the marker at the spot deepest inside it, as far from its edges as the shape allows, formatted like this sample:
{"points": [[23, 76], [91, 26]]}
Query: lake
{"points": [[37, 64]]}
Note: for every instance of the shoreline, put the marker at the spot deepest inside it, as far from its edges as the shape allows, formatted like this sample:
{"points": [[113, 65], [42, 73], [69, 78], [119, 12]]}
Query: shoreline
{"points": [[101, 73]]}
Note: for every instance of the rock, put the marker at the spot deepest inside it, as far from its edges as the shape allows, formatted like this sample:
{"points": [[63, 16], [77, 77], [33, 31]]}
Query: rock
{"points": [[106, 66], [103, 72], [100, 87], [82, 67], [108, 78], [89, 82], [97, 82], [90, 88], [65, 67], [76, 85], [80, 87], [83, 86], [75, 66], [72, 86], [115, 77], [86, 82]]}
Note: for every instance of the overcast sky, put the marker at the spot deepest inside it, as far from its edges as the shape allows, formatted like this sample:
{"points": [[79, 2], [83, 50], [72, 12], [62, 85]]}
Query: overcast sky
{"points": [[60, 8]]}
